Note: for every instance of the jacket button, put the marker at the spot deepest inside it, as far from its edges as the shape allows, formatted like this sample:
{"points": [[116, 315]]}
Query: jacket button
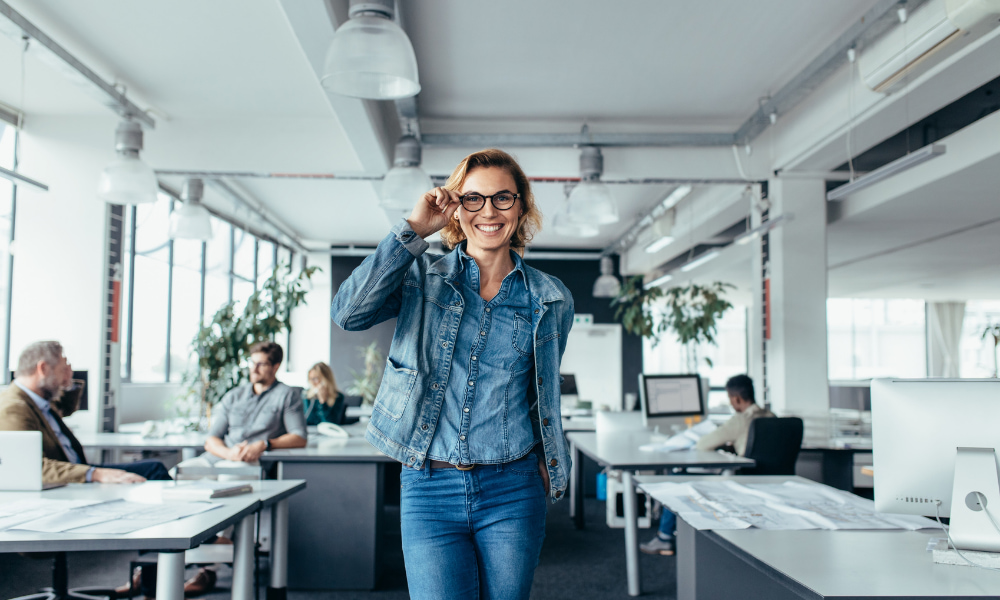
{"points": [[539, 381], [413, 459], [545, 421], [553, 462], [424, 426], [558, 494], [536, 311], [434, 386]]}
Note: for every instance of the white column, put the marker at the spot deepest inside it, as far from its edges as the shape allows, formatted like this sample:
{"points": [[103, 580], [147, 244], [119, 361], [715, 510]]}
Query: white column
{"points": [[796, 353]]}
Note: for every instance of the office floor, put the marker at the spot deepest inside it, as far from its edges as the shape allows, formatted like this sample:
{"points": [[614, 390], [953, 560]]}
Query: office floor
{"points": [[574, 564]]}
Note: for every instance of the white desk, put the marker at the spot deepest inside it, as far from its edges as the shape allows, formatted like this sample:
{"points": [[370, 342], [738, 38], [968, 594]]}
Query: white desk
{"points": [[620, 451], [188, 444], [170, 539], [780, 565]]}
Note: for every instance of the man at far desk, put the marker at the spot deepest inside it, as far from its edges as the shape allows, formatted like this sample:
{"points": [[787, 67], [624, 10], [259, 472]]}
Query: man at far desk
{"points": [[262, 415], [734, 431]]}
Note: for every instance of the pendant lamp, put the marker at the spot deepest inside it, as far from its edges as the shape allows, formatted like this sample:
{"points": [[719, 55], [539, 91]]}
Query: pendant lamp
{"points": [[128, 180], [191, 220]]}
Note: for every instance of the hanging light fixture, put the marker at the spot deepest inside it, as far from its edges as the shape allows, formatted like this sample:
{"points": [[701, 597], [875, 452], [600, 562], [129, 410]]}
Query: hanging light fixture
{"points": [[405, 182], [191, 220], [370, 56], [128, 180], [566, 227], [591, 201], [607, 285]]}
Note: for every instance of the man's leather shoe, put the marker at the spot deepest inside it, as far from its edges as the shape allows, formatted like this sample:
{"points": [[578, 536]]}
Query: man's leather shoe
{"points": [[123, 591], [202, 583]]}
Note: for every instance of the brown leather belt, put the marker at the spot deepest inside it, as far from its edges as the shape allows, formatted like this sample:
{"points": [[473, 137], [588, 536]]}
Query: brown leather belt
{"points": [[440, 464]]}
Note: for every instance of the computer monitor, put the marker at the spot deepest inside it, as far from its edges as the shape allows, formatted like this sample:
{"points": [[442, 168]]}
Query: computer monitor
{"points": [[568, 385], [935, 447], [79, 376], [665, 398]]}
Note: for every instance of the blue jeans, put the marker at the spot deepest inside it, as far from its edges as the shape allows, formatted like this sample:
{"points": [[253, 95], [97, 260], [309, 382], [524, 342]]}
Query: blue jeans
{"points": [[472, 534], [668, 523], [152, 470]]}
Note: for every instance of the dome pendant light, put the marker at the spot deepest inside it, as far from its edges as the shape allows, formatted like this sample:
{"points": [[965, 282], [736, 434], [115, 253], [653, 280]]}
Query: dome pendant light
{"points": [[128, 180], [607, 285], [564, 226], [405, 182], [370, 56], [591, 201], [191, 220]]}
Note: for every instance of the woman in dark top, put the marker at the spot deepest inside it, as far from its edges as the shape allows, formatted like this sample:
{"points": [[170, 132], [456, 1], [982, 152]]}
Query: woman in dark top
{"points": [[322, 396]]}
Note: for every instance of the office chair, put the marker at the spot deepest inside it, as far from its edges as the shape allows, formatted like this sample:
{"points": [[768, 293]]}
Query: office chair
{"points": [[338, 411], [774, 443], [350, 401], [60, 585]]}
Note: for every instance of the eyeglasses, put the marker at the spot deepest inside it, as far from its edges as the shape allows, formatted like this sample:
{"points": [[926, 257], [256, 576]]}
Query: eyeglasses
{"points": [[476, 202], [253, 365]]}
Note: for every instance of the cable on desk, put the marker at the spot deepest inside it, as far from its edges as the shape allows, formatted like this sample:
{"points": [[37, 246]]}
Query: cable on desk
{"points": [[937, 515]]}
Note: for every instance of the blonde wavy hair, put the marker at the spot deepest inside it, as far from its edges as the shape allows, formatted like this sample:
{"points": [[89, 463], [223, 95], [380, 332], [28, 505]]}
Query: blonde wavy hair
{"points": [[326, 374], [530, 221]]}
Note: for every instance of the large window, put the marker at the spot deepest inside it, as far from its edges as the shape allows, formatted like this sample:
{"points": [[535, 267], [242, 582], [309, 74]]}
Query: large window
{"points": [[8, 145], [172, 286], [977, 354], [728, 357], [876, 338]]}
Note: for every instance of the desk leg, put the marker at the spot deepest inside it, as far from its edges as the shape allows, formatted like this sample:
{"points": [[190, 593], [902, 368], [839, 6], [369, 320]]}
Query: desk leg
{"points": [[631, 535], [279, 552], [243, 559], [576, 488], [170, 576]]}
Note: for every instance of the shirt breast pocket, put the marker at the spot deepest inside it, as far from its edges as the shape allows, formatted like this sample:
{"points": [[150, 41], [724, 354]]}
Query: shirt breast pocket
{"points": [[522, 335]]}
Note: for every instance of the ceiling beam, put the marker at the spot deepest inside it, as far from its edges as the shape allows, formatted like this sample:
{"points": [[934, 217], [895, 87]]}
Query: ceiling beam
{"points": [[556, 140], [16, 27]]}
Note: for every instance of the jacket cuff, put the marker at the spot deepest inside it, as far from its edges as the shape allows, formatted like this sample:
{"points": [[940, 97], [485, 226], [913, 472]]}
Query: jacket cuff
{"points": [[90, 475], [405, 235]]}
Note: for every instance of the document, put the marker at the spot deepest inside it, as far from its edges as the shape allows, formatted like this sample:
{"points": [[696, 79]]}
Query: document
{"points": [[23, 511], [120, 516], [790, 505]]}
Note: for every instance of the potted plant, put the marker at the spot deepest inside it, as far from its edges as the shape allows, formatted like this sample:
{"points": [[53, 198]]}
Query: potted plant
{"points": [[367, 382], [691, 312], [993, 331]]}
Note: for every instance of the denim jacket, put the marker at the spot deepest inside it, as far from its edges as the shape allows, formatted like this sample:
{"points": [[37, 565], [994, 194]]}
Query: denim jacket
{"points": [[418, 289]]}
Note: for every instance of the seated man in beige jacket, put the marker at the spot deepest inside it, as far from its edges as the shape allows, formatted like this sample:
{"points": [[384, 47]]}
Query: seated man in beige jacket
{"points": [[26, 405], [734, 431]]}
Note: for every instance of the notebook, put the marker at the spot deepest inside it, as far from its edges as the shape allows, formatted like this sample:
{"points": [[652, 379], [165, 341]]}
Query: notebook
{"points": [[204, 490]]}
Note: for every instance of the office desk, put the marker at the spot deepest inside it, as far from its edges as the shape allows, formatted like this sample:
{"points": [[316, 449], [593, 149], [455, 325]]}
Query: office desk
{"points": [[831, 461], [170, 539], [780, 565], [188, 444], [336, 525], [620, 451]]}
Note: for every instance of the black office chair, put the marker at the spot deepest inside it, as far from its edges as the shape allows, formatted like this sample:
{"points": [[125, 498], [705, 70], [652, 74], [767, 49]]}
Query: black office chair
{"points": [[350, 401], [60, 589], [774, 443], [338, 411]]}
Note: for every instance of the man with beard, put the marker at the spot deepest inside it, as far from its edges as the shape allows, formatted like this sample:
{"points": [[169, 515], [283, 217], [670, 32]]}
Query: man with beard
{"points": [[27, 405]]}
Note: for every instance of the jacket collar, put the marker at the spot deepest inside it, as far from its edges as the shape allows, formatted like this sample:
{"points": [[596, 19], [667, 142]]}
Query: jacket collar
{"points": [[540, 286]]}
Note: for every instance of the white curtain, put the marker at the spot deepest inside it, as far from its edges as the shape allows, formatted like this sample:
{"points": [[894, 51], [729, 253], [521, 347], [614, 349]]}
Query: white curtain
{"points": [[944, 332]]}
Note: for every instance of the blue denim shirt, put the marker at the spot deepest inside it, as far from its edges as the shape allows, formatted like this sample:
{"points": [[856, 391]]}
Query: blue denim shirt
{"points": [[490, 373], [400, 281]]}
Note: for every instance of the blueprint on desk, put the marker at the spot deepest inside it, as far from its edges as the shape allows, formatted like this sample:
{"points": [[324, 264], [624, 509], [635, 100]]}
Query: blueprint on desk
{"points": [[788, 505], [92, 516]]}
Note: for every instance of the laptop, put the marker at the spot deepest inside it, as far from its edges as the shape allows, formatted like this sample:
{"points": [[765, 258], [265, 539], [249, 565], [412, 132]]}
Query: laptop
{"points": [[21, 462]]}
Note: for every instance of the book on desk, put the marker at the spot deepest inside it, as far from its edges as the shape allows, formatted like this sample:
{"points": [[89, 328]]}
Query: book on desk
{"points": [[204, 490]]}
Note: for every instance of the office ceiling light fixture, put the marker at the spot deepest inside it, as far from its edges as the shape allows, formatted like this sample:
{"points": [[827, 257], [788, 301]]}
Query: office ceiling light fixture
{"points": [[662, 237], [191, 221], [754, 234], [370, 56], [607, 285], [128, 180], [566, 227], [680, 192], [886, 171], [704, 258], [591, 200], [658, 281], [405, 182]]}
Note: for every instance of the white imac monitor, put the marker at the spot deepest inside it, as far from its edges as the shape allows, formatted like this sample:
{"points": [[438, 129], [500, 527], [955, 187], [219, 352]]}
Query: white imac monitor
{"points": [[665, 398], [935, 446]]}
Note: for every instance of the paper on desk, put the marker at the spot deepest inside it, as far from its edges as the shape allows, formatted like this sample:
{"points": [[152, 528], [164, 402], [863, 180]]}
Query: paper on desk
{"points": [[120, 516], [22, 511], [684, 440]]}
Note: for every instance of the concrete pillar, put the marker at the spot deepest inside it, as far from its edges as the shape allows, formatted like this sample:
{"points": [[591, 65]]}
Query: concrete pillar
{"points": [[795, 347]]}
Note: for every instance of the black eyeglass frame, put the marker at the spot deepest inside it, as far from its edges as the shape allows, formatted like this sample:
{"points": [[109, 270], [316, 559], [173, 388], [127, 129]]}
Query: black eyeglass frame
{"points": [[462, 199]]}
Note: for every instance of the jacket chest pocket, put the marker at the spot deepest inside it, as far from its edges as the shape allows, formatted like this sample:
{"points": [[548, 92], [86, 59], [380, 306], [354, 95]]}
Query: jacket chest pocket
{"points": [[522, 338], [396, 389]]}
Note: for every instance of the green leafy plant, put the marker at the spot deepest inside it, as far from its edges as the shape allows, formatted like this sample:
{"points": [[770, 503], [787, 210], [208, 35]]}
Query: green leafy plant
{"points": [[223, 345], [367, 382], [691, 312], [993, 330]]}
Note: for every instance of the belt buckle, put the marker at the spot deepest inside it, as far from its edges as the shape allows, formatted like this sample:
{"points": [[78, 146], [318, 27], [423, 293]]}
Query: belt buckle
{"points": [[465, 467]]}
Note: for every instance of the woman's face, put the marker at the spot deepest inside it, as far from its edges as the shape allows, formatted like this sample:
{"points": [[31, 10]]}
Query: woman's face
{"points": [[489, 229], [315, 380]]}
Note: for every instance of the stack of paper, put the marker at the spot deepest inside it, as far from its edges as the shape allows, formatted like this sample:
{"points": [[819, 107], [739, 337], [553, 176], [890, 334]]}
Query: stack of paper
{"points": [[92, 516], [204, 490]]}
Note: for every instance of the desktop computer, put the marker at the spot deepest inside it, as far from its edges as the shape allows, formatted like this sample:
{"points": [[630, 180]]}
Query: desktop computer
{"points": [[667, 399], [935, 447]]}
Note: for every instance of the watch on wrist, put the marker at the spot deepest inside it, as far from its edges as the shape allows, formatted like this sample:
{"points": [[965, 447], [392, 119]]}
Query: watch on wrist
{"points": [[267, 445]]}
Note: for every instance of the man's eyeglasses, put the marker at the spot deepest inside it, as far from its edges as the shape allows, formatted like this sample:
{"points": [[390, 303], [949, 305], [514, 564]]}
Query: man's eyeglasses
{"points": [[476, 202], [253, 365]]}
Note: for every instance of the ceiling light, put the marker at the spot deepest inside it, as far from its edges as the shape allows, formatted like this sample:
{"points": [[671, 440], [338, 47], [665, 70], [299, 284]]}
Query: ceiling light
{"points": [[563, 226], [128, 180], [405, 182], [659, 244], [658, 281], [370, 56], [679, 193], [886, 171], [591, 200], [755, 233], [191, 220], [607, 285], [661, 234], [704, 258]]}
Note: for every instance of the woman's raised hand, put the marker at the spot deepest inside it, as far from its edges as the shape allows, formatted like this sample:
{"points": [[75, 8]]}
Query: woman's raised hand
{"points": [[433, 211]]}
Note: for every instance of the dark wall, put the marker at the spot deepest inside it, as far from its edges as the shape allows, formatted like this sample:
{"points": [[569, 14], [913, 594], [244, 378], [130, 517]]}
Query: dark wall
{"points": [[577, 275]]}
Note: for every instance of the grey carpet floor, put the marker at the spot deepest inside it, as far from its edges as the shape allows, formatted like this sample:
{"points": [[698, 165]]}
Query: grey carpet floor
{"points": [[574, 565]]}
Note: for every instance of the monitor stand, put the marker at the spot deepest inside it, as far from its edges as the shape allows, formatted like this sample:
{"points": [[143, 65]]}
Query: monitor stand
{"points": [[971, 527]]}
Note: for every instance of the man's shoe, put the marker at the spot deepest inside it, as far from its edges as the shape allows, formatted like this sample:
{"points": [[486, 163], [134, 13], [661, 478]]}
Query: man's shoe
{"points": [[202, 583], [657, 545], [123, 591]]}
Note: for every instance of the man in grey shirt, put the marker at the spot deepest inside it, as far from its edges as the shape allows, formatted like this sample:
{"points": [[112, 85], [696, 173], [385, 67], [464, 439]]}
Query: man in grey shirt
{"points": [[262, 415]]}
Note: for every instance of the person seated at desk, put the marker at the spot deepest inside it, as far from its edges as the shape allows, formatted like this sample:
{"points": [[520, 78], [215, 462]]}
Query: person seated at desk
{"points": [[31, 403], [734, 431], [323, 400]]}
